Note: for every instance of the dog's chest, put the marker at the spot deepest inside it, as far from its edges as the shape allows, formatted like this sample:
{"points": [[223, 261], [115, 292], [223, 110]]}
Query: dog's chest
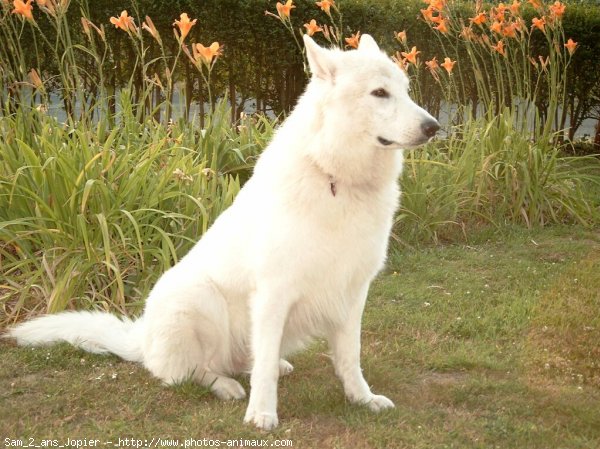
{"points": [[361, 213], [344, 244], [346, 232]]}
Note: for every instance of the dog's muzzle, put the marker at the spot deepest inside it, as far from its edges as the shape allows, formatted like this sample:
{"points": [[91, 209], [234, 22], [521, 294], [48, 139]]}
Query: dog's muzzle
{"points": [[429, 128]]}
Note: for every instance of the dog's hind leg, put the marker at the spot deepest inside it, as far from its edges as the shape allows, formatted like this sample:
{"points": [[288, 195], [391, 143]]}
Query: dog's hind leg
{"points": [[187, 338], [223, 387]]}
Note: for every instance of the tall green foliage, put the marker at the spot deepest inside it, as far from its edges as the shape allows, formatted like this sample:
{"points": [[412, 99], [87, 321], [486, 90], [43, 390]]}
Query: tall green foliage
{"points": [[488, 172], [93, 215]]}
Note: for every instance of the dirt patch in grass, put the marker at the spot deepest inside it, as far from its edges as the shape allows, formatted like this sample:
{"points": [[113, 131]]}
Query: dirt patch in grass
{"points": [[445, 379], [564, 339]]}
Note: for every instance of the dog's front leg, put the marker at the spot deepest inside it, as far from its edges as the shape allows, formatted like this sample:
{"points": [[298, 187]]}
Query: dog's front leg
{"points": [[269, 313], [344, 342]]}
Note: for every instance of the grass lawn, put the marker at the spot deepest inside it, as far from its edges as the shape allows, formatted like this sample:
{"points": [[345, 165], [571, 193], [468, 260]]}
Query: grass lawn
{"points": [[495, 344]]}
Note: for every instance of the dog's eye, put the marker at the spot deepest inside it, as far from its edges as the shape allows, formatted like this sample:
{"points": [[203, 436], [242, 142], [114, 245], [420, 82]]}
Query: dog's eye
{"points": [[380, 93]]}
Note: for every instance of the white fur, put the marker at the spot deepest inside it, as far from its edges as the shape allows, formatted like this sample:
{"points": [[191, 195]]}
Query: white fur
{"points": [[291, 259]]}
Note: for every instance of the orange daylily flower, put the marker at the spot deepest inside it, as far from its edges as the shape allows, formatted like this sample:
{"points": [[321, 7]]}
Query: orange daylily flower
{"points": [[499, 47], [538, 23], [124, 22], [437, 5], [285, 10], [515, 7], [467, 34], [432, 64], [428, 14], [448, 64], [496, 27], [352, 41], [437, 19], [442, 27], [23, 9], [499, 11], [519, 24], [571, 46], [433, 67], [479, 19], [535, 3], [411, 56], [401, 62], [184, 24], [557, 9], [326, 5], [312, 27], [510, 30], [206, 54], [401, 36]]}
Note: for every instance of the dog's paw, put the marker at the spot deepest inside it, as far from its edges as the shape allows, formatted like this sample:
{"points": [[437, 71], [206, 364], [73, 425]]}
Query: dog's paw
{"points": [[378, 402], [264, 421], [226, 389], [285, 367]]}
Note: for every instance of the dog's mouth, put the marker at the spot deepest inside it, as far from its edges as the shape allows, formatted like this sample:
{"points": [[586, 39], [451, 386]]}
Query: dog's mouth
{"points": [[413, 144], [385, 142]]}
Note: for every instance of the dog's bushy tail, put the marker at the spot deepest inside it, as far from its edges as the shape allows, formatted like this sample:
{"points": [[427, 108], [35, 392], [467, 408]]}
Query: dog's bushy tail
{"points": [[96, 332]]}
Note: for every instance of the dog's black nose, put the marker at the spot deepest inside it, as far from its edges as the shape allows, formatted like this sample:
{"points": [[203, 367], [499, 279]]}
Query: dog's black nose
{"points": [[430, 127]]}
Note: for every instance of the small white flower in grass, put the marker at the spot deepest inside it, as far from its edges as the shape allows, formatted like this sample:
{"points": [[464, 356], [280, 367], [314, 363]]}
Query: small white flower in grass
{"points": [[181, 176]]}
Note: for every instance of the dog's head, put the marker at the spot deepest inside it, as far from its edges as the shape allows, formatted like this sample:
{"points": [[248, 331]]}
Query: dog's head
{"points": [[365, 95]]}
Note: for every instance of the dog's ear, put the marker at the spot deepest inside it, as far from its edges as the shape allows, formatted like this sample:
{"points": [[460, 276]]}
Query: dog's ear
{"points": [[320, 60], [367, 43]]}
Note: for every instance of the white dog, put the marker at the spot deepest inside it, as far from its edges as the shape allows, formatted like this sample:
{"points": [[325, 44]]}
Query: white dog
{"points": [[294, 255]]}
